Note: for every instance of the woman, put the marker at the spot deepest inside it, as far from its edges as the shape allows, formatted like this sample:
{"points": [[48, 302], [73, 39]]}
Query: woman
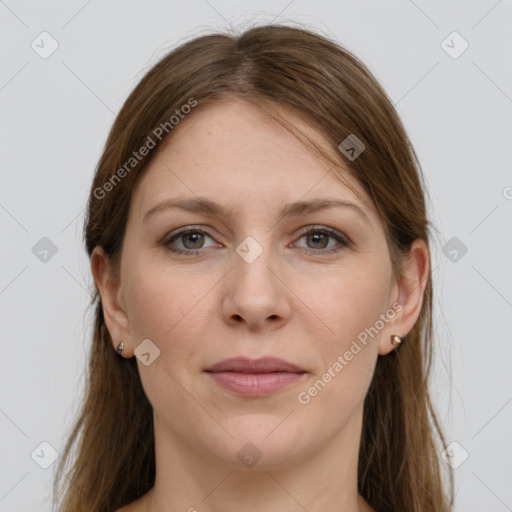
{"points": [[263, 324]]}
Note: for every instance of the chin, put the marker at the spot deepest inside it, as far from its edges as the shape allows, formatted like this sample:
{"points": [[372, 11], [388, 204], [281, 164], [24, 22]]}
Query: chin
{"points": [[264, 441]]}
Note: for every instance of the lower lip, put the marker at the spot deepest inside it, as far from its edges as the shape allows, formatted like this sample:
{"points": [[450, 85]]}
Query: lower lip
{"points": [[255, 384]]}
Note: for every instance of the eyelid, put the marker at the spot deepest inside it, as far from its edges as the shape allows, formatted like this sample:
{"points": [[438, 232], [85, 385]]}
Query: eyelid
{"points": [[342, 241], [183, 231], [319, 227], [302, 232]]}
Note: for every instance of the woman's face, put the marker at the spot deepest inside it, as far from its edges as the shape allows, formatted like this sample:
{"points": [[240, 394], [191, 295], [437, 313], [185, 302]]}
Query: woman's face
{"points": [[250, 282]]}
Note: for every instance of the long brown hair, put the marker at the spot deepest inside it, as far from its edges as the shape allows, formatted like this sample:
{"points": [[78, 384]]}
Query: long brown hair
{"points": [[399, 469]]}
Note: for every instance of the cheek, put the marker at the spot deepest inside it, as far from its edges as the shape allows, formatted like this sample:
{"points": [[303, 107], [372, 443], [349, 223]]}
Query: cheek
{"points": [[350, 303], [167, 306], [155, 299], [349, 299], [171, 311]]}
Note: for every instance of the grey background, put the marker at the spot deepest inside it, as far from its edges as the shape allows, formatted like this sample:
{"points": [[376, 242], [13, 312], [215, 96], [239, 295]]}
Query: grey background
{"points": [[55, 115]]}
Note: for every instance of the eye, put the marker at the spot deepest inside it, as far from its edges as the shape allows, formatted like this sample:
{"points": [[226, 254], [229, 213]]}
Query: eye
{"points": [[191, 238], [318, 237]]}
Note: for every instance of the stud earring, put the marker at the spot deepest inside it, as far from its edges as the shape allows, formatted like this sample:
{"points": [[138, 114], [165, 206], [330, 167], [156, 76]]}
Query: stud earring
{"points": [[120, 348], [396, 340]]}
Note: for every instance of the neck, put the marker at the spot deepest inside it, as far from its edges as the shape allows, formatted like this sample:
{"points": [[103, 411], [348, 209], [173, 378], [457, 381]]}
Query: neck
{"points": [[325, 480]]}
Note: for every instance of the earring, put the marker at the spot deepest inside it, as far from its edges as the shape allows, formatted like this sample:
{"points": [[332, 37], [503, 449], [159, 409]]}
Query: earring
{"points": [[120, 348], [396, 340]]}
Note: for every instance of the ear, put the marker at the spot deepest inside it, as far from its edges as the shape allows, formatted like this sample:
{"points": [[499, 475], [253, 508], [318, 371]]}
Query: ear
{"points": [[112, 301], [409, 291]]}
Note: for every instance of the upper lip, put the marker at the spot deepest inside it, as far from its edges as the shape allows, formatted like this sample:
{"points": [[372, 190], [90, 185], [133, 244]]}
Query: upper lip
{"points": [[247, 365]]}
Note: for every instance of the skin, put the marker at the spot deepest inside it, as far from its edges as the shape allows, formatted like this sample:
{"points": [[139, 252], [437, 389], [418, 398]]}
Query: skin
{"points": [[304, 308]]}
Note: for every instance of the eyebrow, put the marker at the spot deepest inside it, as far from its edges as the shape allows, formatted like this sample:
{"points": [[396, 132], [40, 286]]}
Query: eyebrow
{"points": [[208, 207]]}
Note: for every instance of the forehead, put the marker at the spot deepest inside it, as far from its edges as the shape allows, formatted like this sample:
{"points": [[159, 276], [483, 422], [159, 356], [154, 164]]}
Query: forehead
{"points": [[236, 153]]}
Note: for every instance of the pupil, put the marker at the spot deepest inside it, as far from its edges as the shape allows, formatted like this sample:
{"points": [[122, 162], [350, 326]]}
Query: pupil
{"points": [[319, 235], [192, 235]]}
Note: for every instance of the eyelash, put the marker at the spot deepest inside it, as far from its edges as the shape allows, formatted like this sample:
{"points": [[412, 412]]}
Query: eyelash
{"points": [[317, 229]]}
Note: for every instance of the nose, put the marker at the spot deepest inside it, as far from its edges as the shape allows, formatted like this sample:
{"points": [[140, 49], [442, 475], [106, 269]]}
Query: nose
{"points": [[255, 293]]}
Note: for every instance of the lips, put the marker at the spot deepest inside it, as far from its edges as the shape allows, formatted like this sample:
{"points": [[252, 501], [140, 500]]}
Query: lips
{"points": [[263, 365], [255, 377]]}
